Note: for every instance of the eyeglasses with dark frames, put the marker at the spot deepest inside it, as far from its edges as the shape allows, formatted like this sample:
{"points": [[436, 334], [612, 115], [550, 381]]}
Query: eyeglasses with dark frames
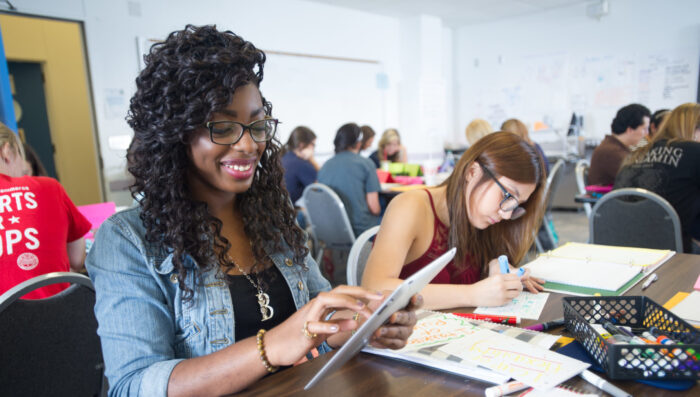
{"points": [[509, 202], [230, 132]]}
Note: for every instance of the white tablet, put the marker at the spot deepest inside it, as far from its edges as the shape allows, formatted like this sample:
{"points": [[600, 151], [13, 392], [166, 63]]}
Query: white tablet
{"points": [[394, 302]]}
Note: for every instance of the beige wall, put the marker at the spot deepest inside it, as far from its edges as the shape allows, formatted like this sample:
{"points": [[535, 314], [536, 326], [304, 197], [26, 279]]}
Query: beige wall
{"points": [[58, 46]]}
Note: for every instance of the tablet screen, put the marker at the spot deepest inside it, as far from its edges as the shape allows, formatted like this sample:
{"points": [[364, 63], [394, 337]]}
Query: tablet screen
{"points": [[394, 302]]}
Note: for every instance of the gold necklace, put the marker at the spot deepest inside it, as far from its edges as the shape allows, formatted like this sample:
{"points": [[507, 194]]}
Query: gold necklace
{"points": [[263, 299]]}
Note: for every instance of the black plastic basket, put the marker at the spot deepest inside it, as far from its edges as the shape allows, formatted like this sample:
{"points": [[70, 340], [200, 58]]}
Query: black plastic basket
{"points": [[633, 361]]}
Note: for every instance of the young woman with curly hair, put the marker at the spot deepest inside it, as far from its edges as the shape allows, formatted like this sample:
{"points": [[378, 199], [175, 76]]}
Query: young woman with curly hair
{"points": [[189, 281], [488, 207]]}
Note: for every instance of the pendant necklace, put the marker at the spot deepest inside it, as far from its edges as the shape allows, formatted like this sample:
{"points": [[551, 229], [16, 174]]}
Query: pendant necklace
{"points": [[263, 298]]}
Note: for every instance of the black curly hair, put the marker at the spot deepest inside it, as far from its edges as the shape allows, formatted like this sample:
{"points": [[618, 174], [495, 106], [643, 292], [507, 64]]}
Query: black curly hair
{"points": [[630, 116], [187, 78]]}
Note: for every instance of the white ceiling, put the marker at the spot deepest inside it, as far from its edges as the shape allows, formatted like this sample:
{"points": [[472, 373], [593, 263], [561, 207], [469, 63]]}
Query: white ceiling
{"points": [[454, 13]]}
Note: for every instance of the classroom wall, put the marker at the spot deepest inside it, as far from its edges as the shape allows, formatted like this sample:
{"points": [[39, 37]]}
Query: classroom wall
{"points": [[631, 46], [433, 75], [113, 27]]}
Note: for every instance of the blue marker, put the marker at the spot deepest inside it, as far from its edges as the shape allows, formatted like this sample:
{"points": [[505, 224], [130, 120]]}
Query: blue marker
{"points": [[505, 269], [503, 262]]}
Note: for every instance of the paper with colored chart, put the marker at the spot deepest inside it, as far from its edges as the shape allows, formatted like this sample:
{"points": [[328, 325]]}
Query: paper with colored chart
{"points": [[534, 366], [526, 305], [434, 330]]}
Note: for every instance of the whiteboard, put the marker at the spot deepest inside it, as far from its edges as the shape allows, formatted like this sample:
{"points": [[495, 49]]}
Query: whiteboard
{"points": [[549, 87], [322, 94]]}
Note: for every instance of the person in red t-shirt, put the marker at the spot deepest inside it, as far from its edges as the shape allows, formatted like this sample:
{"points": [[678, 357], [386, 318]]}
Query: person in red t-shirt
{"points": [[41, 230]]}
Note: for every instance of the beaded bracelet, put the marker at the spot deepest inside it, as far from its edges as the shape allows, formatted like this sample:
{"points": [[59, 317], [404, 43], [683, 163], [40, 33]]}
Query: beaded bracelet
{"points": [[261, 349], [355, 317]]}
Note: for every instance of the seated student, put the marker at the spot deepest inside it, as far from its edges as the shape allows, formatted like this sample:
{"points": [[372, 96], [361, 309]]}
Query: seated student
{"points": [[518, 127], [42, 230], [390, 149], [488, 207], [670, 167], [300, 169], [630, 125], [477, 129], [352, 177], [367, 138], [655, 122], [211, 257]]}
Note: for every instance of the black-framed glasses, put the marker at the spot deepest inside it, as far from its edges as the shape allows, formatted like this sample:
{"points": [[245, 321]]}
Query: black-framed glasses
{"points": [[230, 132], [509, 202]]}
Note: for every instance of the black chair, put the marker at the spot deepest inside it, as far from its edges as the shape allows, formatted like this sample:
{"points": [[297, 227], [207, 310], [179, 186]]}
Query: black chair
{"points": [[635, 217], [50, 347]]}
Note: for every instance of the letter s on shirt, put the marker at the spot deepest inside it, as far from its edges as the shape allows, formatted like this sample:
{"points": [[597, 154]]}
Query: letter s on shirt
{"points": [[31, 234]]}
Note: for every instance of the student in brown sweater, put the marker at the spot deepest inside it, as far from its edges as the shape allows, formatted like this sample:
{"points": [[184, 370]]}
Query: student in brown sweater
{"points": [[630, 125]]}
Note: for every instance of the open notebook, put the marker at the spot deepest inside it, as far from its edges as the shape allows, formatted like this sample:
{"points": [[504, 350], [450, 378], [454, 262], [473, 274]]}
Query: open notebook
{"points": [[587, 269]]}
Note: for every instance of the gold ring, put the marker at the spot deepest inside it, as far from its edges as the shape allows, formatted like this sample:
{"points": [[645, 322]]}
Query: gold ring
{"points": [[306, 332]]}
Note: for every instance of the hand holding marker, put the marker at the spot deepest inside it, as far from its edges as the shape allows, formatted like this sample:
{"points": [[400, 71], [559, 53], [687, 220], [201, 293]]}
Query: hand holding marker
{"points": [[505, 269]]}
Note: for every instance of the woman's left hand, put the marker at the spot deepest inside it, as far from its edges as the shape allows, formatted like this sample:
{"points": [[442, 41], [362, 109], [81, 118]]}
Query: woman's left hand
{"points": [[395, 332], [533, 284]]}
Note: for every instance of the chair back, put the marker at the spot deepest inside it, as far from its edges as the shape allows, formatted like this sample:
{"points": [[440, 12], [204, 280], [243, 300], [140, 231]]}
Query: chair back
{"points": [[329, 220], [359, 253], [50, 347], [635, 217], [581, 172], [553, 179]]}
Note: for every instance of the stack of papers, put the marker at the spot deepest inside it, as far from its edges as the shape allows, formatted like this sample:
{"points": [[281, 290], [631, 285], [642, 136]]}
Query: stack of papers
{"points": [[689, 309], [588, 269]]}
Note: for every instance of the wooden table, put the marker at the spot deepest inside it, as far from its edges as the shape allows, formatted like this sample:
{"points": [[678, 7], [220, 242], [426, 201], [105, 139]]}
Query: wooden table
{"points": [[367, 375]]}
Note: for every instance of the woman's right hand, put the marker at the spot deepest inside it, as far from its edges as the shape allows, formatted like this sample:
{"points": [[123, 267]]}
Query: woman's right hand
{"points": [[497, 290], [287, 343]]}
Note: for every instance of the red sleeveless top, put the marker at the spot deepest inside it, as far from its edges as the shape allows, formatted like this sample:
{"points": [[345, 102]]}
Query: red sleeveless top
{"points": [[438, 246]]}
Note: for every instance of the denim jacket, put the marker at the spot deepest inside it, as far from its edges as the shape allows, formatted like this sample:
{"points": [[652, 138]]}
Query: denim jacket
{"points": [[145, 325]]}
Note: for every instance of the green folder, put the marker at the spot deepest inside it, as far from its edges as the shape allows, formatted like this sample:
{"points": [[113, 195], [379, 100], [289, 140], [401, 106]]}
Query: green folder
{"points": [[572, 289]]}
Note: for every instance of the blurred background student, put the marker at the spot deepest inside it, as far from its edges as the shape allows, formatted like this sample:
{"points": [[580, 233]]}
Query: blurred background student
{"points": [[41, 229], [477, 129], [367, 139], [669, 165], [630, 125], [32, 163], [300, 168], [517, 127], [655, 122], [353, 178], [390, 149]]}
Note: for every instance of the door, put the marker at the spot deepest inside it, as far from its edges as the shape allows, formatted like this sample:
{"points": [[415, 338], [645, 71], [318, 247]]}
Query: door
{"points": [[57, 46], [30, 104]]}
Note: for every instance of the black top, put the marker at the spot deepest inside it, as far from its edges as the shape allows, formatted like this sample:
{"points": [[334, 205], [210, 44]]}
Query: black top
{"points": [[298, 173], [673, 172], [246, 311], [375, 159]]}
